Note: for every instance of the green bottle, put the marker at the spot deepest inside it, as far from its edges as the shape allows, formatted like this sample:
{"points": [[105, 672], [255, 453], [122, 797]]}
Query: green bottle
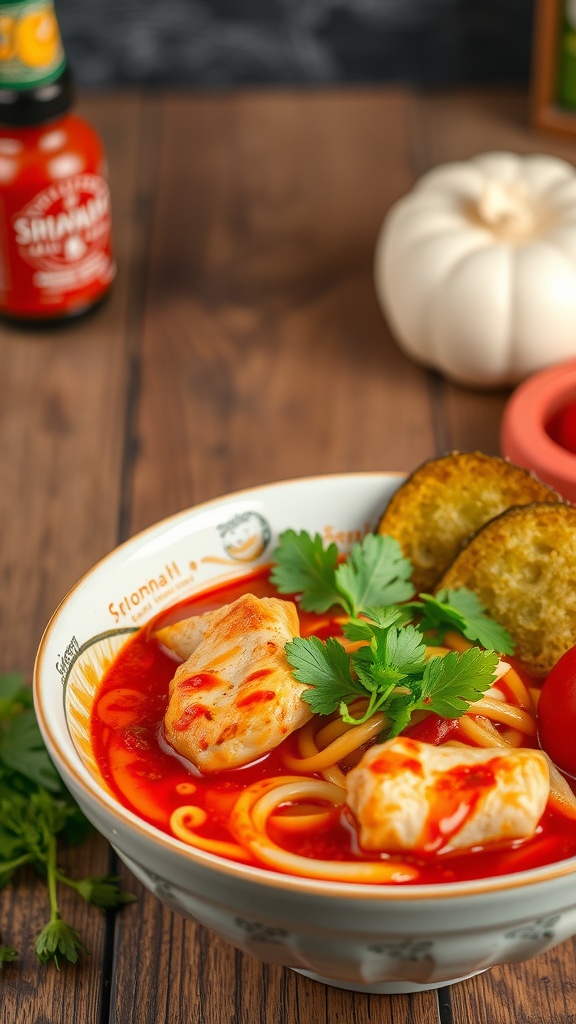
{"points": [[31, 51]]}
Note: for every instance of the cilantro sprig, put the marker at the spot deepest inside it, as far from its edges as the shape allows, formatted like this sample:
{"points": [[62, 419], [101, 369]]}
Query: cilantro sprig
{"points": [[392, 671], [461, 610], [36, 814], [375, 573]]}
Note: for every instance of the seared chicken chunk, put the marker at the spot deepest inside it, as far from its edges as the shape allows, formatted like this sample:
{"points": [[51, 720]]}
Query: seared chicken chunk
{"points": [[234, 698], [183, 637], [407, 795]]}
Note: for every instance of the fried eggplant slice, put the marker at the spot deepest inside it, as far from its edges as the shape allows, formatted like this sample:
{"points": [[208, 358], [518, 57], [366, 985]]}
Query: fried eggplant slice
{"points": [[446, 500], [522, 566]]}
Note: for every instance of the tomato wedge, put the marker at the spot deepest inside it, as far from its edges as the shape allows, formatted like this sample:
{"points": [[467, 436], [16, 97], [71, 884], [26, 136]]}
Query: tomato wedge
{"points": [[433, 729], [557, 713]]}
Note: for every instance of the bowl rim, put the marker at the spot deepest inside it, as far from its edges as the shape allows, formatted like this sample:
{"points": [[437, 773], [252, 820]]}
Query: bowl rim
{"points": [[74, 768]]}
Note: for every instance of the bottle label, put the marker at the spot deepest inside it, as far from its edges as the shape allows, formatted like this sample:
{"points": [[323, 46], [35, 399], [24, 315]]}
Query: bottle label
{"points": [[63, 233], [31, 51]]}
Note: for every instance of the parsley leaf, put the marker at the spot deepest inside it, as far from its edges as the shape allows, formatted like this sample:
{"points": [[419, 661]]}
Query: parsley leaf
{"points": [[36, 811], [303, 566], [10, 693], [22, 750], [375, 573], [329, 666], [405, 648], [390, 669], [392, 672], [450, 684], [478, 625], [57, 941], [360, 629], [398, 712], [7, 954], [101, 891], [461, 609]]}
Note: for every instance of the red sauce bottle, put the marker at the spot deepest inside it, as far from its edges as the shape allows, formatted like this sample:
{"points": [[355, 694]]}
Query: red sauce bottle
{"points": [[55, 249]]}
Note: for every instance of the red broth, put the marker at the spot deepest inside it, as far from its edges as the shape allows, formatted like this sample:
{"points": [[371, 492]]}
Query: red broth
{"points": [[149, 778]]}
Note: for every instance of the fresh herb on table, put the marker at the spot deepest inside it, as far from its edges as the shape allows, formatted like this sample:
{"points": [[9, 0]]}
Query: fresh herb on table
{"points": [[36, 814], [391, 672]]}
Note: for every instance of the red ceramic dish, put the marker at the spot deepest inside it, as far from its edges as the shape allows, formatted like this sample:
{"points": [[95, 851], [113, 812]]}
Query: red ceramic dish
{"points": [[537, 429]]}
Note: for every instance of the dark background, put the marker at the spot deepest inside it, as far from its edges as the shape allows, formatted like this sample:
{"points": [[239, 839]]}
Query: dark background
{"points": [[218, 43]]}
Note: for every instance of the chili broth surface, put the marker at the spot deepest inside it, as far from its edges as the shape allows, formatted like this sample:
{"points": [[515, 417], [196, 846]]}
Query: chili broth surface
{"points": [[150, 779]]}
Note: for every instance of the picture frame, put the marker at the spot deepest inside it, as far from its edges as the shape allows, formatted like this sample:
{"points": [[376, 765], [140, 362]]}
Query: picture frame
{"points": [[552, 74]]}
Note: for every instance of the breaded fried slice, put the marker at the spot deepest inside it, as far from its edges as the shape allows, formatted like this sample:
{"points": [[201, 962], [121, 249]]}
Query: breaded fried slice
{"points": [[446, 500], [522, 566]]}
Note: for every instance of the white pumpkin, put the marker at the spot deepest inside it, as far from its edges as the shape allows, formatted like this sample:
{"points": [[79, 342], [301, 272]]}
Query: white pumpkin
{"points": [[475, 268]]}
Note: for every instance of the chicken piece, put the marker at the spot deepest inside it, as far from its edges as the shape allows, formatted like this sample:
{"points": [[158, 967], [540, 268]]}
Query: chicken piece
{"points": [[235, 698], [407, 795], [182, 638]]}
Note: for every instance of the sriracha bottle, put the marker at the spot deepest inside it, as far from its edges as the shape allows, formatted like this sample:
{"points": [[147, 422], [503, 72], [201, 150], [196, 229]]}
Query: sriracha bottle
{"points": [[55, 252]]}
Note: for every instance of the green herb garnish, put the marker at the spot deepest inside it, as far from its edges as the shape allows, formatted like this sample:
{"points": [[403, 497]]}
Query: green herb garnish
{"points": [[392, 671], [461, 610], [36, 812], [7, 954], [375, 573]]}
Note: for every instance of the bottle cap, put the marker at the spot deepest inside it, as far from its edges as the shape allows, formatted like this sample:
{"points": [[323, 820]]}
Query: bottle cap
{"points": [[25, 108], [31, 51], [35, 83]]}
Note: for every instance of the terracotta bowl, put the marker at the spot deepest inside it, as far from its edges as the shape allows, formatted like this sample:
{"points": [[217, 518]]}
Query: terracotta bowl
{"points": [[539, 427], [371, 938]]}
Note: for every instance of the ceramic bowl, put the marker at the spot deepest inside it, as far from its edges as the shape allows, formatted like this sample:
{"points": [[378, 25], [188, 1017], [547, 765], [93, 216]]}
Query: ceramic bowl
{"points": [[381, 939], [537, 431]]}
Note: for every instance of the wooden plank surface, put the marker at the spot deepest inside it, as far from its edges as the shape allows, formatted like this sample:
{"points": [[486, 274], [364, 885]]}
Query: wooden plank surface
{"points": [[242, 344], [62, 424], [261, 299]]}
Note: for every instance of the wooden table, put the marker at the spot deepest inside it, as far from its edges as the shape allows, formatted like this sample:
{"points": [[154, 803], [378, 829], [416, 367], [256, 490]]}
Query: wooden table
{"points": [[242, 344]]}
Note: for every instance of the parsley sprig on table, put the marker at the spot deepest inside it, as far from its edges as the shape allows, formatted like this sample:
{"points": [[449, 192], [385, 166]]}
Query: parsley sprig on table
{"points": [[391, 671], [36, 814]]}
